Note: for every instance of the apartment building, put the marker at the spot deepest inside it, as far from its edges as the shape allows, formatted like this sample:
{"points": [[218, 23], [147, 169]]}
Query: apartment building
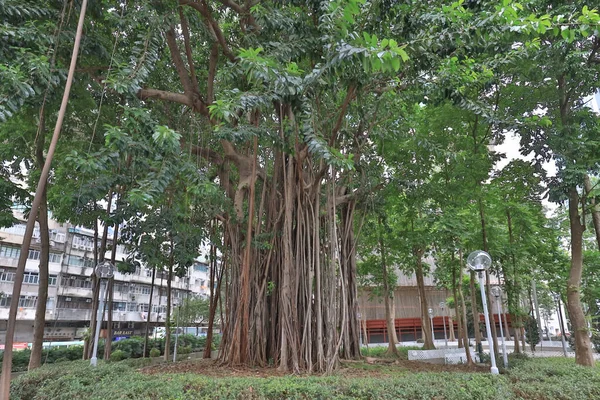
{"points": [[69, 305]]}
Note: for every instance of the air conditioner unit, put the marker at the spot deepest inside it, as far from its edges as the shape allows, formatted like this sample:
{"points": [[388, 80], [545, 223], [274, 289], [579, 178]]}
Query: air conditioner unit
{"points": [[88, 300], [68, 299]]}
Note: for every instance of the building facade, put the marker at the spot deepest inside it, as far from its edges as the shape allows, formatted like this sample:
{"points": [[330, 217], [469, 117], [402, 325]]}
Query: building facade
{"points": [[69, 305]]}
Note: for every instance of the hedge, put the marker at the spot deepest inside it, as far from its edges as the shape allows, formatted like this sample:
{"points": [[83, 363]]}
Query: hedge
{"points": [[131, 348], [530, 378]]}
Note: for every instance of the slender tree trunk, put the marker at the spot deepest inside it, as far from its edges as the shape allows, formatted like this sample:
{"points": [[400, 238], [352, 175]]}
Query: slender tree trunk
{"points": [[214, 297], [463, 308], [595, 209], [583, 348], [474, 310], [168, 317], [456, 307], [110, 288], [425, 321], [146, 352], [96, 281], [35, 358], [388, 296], [487, 279]]}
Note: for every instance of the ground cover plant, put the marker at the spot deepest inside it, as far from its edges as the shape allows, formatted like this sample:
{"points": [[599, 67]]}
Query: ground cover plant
{"points": [[529, 378]]}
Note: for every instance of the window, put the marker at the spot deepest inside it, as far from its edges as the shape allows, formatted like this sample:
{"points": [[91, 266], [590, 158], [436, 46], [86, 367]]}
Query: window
{"points": [[80, 261], [149, 273], [143, 307], [7, 276], [201, 267], [202, 283], [33, 254], [76, 281], [132, 306], [50, 303], [52, 280], [10, 252], [145, 289], [54, 258], [5, 301], [119, 306], [138, 270], [32, 278], [27, 301], [57, 236], [74, 303]]}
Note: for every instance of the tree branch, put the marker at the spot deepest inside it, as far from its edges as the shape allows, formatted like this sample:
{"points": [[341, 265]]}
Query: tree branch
{"points": [[205, 11], [188, 48]]}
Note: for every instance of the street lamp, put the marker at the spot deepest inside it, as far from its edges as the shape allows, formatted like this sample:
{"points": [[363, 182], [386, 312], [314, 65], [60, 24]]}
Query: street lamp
{"points": [[443, 307], [497, 293], [104, 270], [560, 323], [480, 261], [430, 311]]}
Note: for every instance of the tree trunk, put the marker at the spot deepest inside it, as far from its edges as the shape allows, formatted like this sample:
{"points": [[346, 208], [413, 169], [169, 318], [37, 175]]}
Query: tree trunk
{"points": [[35, 358], [463, 308], [146, 352], [388, 296], [110, 288], [456, 307], [487, 280], [168, 316], [214, 296], [512, 287], [595, 208], [474, 310], [583, 348], [425, 321], [96, 281]]}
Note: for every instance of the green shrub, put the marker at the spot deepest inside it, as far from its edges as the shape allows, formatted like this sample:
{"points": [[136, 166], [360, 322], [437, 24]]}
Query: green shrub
{"points": [[118, 355], [533, 378], [184, 350], [154, 352]]}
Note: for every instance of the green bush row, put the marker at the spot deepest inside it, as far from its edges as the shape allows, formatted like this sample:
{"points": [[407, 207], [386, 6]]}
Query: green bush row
{"points": [[530, 378], [128, 348]]}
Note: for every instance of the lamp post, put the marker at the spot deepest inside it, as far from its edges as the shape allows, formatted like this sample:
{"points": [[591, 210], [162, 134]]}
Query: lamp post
{"points": [[479, 261], [560, 323], [104, 270], [443, 307], [430, 311], [497, 292]]}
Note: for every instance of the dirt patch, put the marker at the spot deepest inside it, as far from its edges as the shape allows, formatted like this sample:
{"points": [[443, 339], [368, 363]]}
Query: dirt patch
{"points": [[350, 369]]}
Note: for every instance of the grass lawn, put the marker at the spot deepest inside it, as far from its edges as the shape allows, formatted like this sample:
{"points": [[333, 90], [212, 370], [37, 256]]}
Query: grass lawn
{"points": [[540, 378]]}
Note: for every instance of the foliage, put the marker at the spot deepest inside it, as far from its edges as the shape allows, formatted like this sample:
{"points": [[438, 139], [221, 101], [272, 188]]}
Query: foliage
{"points": [[154, 352], [532, 332], [117, 355], [535, 378]]}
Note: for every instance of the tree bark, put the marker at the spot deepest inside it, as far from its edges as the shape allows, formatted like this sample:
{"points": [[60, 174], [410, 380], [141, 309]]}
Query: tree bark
{"points": [[583, 348], [595, 208], [474, 310], [35, 358], [425, 321], [168, 316], [146, 352], [487, 279], [388, 296], [463, 308], [110, 288]]}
